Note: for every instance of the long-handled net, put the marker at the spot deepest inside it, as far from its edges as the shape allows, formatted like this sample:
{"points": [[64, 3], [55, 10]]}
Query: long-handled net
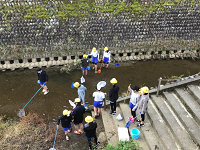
{"points": [[22, 112], [54, 141]]}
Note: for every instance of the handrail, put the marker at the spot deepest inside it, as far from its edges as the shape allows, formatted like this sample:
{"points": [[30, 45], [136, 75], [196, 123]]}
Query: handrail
{"points": [[179, 79]]}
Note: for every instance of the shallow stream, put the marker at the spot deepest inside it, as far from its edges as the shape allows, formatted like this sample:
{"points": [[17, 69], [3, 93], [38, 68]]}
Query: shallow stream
{"points": [[18, 87]]}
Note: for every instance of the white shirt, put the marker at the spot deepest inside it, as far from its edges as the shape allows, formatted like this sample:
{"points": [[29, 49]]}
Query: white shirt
{"points": [[135, 97], [105, 54], [94, 54], [98, 96]]}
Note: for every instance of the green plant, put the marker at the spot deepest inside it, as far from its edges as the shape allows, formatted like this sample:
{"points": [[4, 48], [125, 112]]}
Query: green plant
{"points": [[124, 145]]}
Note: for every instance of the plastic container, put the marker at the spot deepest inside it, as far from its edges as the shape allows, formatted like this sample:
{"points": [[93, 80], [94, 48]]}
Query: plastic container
{"points": [[135, 133], [123, 134]]}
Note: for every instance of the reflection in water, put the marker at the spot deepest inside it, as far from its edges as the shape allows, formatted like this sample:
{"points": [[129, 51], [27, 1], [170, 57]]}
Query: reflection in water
{"points": [[19, 86]]}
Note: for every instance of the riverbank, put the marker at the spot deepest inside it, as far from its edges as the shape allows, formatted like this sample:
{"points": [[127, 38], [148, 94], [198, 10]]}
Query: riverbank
{"points": [[34, 132]]}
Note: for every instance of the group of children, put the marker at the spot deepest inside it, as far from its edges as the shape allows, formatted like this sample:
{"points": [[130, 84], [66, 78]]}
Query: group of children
{"points": [[139, 100], [95, 58]]}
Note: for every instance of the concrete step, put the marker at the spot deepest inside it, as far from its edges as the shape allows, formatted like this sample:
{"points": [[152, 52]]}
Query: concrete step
{"points": [[192, 106], [178, 130], [126, 113], [184, 116], [161, 128], [195, 91], [110, 129], [118, 123]]}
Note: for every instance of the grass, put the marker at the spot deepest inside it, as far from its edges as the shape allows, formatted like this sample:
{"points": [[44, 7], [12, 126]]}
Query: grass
{"points": [[124, 145]]}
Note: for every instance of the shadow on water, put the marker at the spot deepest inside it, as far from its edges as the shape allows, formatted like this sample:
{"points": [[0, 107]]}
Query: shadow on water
{"points": [[19, 86]]}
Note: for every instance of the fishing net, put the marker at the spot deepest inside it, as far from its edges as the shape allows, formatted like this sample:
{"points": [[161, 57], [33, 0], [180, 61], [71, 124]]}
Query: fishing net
{"points": [[21, 113], [101, 84]]}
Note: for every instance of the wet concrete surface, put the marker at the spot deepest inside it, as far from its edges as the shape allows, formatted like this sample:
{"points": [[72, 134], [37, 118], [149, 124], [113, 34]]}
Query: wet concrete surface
{"points": [[18, 87]]}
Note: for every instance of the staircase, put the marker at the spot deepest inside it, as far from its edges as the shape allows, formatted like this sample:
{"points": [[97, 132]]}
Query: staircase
{"points": [[171, 123]]}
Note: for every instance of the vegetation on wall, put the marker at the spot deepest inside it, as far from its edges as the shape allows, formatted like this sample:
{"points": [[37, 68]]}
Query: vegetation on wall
{"points": [[83, 8]]}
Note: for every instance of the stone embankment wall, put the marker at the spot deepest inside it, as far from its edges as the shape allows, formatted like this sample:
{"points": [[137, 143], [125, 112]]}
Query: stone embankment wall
{"points": [[32, 36]]}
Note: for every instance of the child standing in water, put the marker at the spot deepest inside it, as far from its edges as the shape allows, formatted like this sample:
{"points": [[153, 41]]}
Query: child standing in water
{"points": [[95, 58], [106, 57], [85, 64]]}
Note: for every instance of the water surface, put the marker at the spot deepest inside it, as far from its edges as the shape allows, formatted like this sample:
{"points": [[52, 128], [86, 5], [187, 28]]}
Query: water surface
{"points": [[18, 87]]}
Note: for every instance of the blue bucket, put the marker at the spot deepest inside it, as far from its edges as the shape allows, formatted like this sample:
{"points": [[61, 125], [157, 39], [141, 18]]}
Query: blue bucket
{"points": [[116, 64], [135, 133]]}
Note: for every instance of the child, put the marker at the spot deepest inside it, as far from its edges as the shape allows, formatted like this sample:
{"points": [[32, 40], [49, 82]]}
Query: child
{"points": [[78, 116], [81, 91], [106, 57], [98, 101], [90, 131], [135, 96], [42, 80], [95, 58], [65, 119], [142, 105], [85, 64], [113, 96]]}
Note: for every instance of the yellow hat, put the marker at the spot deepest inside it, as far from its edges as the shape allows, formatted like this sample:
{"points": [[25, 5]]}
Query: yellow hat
{"points": [[65, 112], [85, 56], [76, 84], [106, 48], [88, 119], [113, 81], [93, 49], [145, 89], [77, 100]]}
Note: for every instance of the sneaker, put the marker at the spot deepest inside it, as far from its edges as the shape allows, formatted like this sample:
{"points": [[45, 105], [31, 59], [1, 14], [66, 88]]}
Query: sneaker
{"points": [[96, 116], [43, 90], [140, 125], [98, 143], [95, 71], [138, 120], [45, 93], [92, 67]]}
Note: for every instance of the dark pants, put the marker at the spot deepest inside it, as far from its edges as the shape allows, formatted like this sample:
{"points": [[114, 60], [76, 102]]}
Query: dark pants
{"points": [[113, 106], [133, 113], [89, 141], [143, 117]]}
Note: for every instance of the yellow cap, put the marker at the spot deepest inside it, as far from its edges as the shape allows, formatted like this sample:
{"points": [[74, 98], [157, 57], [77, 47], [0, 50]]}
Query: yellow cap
{"points": [[77, 100], [65, 112], [113, 81], [139, 92], [85, 56], [88, 119], [94, 49], [106, 48], [145, 89], [76, 84]]}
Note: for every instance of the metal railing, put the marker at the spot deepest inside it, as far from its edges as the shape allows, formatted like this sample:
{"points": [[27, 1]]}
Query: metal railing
{"points": [[159, 83]]}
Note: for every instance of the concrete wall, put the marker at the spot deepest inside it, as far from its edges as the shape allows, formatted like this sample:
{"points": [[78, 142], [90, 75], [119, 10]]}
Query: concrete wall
{"points": [[60, 59]]}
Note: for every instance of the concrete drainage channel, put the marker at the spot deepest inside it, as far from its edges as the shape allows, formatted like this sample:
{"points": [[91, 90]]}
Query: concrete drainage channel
{"points": [[48, 60]]}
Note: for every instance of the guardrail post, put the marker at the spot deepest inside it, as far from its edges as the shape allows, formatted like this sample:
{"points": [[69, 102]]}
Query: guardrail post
{"points": [[158, 89]]}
